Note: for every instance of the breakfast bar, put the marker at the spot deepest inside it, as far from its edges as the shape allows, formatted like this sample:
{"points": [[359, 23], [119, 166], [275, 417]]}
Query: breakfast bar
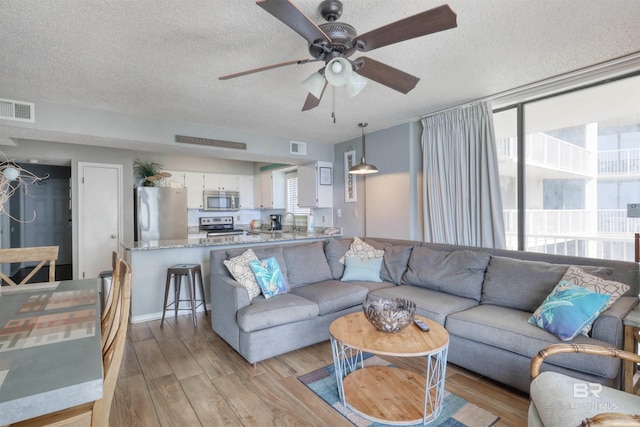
{"points": [[150, 260]]}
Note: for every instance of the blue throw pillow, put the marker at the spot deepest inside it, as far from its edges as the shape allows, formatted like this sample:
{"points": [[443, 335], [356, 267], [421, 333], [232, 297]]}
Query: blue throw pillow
{"points": [[568, 309], [364, 270], [269, 276]]}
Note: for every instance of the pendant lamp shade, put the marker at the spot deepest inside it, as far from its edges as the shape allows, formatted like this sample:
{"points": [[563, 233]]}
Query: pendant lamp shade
{"points": [[363, 168]]}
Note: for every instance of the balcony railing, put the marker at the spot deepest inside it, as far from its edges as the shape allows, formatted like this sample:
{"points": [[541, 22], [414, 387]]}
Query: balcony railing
{"points": [[626, 162], [574, 222], [549, 152], [617, 248]]}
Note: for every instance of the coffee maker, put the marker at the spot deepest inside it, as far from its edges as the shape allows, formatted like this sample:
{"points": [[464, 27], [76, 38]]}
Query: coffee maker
{"points": [[276, 222]]}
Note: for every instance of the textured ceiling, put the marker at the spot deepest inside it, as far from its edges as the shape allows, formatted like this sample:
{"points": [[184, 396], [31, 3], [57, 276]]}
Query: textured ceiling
{"points": [[162, 58]]}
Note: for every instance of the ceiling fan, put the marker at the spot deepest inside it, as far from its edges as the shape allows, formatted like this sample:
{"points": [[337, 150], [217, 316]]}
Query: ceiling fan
{"points": [[334, 42]]}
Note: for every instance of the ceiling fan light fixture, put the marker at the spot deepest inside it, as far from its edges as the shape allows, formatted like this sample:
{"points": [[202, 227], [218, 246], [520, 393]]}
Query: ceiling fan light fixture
{"points": [[355, 84], [338, 71], [314, 84]]}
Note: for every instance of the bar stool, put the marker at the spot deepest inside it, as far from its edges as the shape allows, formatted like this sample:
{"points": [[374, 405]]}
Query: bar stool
{"points": [[177, 272]]}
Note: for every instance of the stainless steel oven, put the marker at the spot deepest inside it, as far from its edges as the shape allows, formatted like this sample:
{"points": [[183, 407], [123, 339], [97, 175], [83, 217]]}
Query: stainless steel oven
{"points": [[221, 200]]}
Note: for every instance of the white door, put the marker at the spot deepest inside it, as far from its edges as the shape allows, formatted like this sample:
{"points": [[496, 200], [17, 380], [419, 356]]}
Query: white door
{"points": [[100, 216]]}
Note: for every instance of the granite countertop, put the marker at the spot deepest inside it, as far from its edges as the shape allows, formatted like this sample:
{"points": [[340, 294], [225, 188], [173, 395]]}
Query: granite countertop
{"points": [[238, 239]]}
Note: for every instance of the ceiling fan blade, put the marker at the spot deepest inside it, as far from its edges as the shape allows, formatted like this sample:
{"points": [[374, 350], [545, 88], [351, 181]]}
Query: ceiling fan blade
{"points": [[385, 74], [431, 21], [266, 67], [294, 18], [311, 101]]}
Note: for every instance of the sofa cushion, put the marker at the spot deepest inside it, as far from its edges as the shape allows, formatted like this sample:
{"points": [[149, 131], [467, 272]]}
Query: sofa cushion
{"points": [[263, 252], [331, 295], [241, 271], [523, 285], [269, 276], [281, 309], [373, 286], [306, 264], [568, 309], [361, 249], [508, 329], [579, 277], [335, 249], [362, 269], [394, 261], [432, 304], [458, 272]]}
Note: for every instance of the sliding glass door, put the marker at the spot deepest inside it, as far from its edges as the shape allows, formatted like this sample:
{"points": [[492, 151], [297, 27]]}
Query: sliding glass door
{"points": [[580, 172]]}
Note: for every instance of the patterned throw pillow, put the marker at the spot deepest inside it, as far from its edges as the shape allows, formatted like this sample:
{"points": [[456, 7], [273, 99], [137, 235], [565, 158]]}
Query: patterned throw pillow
{"points": [[579, 277], [269, 276], [568, 309], [364, 270], [239, 268], [361, 250]]}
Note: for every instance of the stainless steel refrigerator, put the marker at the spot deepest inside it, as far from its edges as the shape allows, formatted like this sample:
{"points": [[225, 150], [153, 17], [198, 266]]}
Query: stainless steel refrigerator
{"points": [[160, 213]]}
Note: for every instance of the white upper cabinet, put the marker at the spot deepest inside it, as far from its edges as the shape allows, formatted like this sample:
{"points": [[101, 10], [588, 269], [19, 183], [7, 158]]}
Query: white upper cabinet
{"points": [[270, 190], [221, 182], [245, 186], [194, 181], [175, 180], [315, 185]]}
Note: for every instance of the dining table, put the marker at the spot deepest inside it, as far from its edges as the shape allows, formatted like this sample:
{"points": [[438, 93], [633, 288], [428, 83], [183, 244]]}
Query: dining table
{"points": [[50, 348]]}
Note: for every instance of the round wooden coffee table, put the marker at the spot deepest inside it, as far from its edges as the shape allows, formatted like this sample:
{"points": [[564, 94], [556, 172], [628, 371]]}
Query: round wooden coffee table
{"points": [[389, 394]]}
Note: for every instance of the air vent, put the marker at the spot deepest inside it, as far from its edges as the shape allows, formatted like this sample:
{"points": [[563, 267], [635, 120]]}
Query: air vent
{"points": [[299, 148], [17, 110]]}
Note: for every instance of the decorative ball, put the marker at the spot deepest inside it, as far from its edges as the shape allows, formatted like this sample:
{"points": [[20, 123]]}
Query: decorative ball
{"points": [[389, 314], [11, 173]]}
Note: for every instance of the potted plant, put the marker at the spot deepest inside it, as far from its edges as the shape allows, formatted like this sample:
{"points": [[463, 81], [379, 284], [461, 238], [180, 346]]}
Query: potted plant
{"points": [[143, 170]]}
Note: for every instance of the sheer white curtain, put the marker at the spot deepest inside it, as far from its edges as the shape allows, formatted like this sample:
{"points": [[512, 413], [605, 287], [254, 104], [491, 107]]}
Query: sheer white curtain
{"points": [[462, 202]]}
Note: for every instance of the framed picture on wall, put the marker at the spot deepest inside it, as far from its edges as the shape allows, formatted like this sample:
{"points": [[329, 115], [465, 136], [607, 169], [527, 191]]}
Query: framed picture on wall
{"points": [[325, 176], [349, 179]]}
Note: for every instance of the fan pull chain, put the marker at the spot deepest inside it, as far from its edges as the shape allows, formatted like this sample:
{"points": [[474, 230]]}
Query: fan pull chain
{"points": [[333, 103]]}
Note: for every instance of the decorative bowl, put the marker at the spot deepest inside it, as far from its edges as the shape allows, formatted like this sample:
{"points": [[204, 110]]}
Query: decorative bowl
{"points": [[389, 314]]}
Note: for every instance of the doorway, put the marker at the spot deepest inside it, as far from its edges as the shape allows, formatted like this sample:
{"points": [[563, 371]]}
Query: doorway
{"points": [[42, 217]]}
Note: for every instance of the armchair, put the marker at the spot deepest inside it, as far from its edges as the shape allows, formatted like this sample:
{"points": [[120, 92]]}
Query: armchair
{"points": [[563, 401]]}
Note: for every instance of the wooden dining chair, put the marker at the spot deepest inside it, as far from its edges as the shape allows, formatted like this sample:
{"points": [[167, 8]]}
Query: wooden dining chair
{"points": [[96, 414], [41, 254], [108, 311]]}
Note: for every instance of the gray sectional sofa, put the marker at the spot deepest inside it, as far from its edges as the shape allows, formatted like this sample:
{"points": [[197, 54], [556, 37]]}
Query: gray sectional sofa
{"points": [[483, 297]]}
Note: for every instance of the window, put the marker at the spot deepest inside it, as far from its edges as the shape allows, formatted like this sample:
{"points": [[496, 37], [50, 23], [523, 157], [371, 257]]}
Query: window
{"points": [[581, 155], [292, 196]]}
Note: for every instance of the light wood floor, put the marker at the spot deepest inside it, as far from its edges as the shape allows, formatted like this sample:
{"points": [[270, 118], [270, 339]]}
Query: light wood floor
{"points": [[179, 375]]}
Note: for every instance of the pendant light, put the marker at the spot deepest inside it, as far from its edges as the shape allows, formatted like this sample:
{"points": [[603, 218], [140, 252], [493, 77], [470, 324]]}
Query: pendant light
{"points": [[363, 168]]}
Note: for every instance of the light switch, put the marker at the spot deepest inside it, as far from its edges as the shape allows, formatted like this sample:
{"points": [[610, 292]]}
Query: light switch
{"points": [[355, 212], [339, 213]]}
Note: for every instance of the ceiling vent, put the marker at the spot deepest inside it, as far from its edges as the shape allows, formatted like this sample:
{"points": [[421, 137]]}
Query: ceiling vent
{"points": [[17, 110], [299, 148]]}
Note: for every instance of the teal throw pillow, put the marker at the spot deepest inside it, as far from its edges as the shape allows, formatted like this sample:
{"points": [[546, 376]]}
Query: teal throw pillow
{"points": [[568, 309], [364, 270], [269, 276]]}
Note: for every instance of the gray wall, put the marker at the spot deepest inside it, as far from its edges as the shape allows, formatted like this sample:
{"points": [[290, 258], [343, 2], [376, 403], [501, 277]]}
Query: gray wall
{"points": [[391, 206]]}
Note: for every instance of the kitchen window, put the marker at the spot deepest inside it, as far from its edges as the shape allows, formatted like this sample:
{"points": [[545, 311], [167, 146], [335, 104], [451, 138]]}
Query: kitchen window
{"points": [[292, 196]]}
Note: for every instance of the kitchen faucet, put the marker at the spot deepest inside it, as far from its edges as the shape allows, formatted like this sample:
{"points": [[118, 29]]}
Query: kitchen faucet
{"points": [[284, 218]]}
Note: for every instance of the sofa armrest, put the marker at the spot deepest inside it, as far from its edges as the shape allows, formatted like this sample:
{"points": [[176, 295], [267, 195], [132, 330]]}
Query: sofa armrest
{"points": [[227, 297], [608, 326]]}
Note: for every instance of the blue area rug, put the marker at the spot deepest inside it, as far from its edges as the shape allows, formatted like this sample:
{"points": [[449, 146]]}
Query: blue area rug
{"points": [[456, 412]]}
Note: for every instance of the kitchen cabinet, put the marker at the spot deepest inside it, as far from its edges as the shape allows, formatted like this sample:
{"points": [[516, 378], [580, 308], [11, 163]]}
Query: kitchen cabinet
{"points": [[194, 181], [245, 186], [315, 185], [270, 190], [175, 180], [220, 181]]}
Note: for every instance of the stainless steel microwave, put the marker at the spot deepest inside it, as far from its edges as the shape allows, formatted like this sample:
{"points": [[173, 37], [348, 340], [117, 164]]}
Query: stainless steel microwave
{"points": [[221, 200]]}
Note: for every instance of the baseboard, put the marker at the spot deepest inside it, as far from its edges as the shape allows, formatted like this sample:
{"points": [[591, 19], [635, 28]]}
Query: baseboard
{"points": [[157, 316]]}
